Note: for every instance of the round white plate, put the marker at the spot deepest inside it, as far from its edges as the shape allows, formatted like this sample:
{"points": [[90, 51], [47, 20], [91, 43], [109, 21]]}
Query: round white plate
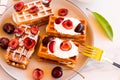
{"points": [[46, 66]]}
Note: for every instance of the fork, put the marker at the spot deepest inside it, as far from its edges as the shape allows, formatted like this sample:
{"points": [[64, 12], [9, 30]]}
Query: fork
{"points": [[95, 53]]}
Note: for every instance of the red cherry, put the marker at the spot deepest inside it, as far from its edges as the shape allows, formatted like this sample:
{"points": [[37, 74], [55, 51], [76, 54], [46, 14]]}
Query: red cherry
{"points": [[33, 9], [29, 43], [4, 42], [19, 6], [59, 20], [65, 45], [34, 29], [38, 74], [46, 40], [57, 72], [19, 31], [79, 28], [51, 46], [14, 43], [62, 12], [8, 28], [67, 24]]}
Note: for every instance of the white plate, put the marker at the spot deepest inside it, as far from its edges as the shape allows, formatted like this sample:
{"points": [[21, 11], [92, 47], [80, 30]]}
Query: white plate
{"points": [[20, 74]]}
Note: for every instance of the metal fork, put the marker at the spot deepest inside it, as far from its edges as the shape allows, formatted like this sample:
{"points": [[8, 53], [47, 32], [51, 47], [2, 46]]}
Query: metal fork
{"points": [[95, 53]]}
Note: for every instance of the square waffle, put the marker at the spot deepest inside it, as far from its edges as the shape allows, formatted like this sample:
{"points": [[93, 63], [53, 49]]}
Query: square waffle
{"points": [[43, 53], [50, 29], [41, 16], [20, 56]]}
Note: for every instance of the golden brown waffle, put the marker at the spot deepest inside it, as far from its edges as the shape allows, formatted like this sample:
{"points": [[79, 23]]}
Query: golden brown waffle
{"points": [[41, 17], [20, 57], [69, 62], [51, 30]]}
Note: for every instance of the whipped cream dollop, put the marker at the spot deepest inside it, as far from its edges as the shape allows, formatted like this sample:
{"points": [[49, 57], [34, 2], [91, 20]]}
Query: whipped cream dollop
{"points": [[63, 54], [61, 29]]}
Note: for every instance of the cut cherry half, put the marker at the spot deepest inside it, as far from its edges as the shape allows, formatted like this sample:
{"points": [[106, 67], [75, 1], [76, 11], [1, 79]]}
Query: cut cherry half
{"points": [[51, 46], [13, 44], [29, 43], [19, 31], [33, 9], [62, 12], [38, 74], [67, 24], [19, 6], [59, 20], [34, 29], [65, 45]]}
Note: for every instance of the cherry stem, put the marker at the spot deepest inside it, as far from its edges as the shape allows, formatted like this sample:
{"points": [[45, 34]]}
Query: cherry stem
{"points": [[77, 73]]}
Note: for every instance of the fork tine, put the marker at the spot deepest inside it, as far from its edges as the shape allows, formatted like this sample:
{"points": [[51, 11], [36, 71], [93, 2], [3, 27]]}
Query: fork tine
{"points": [[91, 51]]}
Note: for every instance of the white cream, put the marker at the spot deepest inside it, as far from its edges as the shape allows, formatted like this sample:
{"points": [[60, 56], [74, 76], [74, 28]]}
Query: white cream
{"points": [[63, 54], [61, 29]]}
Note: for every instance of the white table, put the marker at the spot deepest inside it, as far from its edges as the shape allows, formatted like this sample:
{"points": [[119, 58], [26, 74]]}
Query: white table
{"points": [[95, 70]]}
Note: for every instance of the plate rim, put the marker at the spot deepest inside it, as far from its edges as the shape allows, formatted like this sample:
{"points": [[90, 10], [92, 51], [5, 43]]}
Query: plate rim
{"points": [[89, 28]]}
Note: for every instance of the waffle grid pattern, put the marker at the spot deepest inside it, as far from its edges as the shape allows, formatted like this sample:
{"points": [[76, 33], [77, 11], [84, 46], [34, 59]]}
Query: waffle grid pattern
{"points": [[21, 55]]}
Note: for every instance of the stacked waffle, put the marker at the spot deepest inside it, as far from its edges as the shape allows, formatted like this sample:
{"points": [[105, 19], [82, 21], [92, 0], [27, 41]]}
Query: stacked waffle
{"points": [[63, 47]]}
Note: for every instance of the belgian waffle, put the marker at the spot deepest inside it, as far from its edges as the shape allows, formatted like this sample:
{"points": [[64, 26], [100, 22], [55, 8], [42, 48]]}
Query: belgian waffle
{"points": [[69, 62], [41, 17], [20, 57], [52, 31]]}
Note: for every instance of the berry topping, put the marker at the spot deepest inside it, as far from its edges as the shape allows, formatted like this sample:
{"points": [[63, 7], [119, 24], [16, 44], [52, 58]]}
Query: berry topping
{"points": [[4, 42], [67, 24], [46, 40], [34, 29], [9, 28], [19, 31], [33, 9], [38, 74], [13, 44], [51, 46], [58, 20], [79, 28], [46, 2], [29, 43], [65, 45], [62, 12], [19, 6], [57, 72]]}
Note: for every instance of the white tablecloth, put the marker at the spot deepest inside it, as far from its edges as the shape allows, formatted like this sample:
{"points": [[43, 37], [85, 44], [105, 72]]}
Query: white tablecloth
{"points": [[95, 70]]}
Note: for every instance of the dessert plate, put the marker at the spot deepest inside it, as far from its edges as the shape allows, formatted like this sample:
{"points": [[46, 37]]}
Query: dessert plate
{"points": [[46, 66]]}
